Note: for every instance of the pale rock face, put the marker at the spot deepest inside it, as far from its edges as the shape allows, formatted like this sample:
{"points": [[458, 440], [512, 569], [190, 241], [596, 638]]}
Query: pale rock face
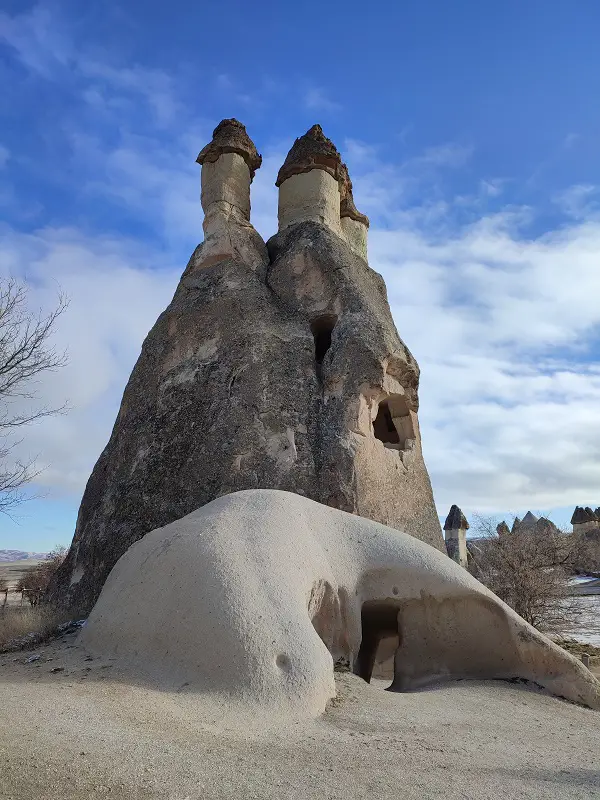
{"points": [[226, 204], [226, 180], [456, 545], [355, 233], [253, 598], [310, 196]]}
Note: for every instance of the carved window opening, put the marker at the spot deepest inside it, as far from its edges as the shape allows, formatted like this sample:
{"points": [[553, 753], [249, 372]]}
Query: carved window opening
{"points": [[379, 642], [394, 425], [322, 328]]}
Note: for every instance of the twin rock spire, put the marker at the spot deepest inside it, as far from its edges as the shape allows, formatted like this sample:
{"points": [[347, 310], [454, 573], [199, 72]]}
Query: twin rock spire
{"points": [[313, 183]]}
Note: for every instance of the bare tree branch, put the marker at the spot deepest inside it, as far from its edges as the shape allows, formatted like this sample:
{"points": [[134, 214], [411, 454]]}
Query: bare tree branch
{"points": [[25, 353], [528, 568]]}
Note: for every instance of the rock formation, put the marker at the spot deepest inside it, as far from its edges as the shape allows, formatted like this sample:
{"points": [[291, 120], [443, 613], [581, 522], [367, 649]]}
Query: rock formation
{"points": [[267, 590], [275, 365], [584, 520], [529, 523], [455, 534]]}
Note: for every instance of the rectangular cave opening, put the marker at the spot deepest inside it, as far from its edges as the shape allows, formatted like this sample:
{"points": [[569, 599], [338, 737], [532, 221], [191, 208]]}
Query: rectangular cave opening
{"points": [[394, 425], [383, 426]]}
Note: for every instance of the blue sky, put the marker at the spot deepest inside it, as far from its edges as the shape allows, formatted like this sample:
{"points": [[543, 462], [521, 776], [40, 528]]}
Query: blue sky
{"points": [[471, 131]]}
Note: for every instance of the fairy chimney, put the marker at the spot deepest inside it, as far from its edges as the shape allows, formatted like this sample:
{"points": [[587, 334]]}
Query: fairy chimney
{"points": [[585, 520], [315, 185], [276, 365], [455, 534]]}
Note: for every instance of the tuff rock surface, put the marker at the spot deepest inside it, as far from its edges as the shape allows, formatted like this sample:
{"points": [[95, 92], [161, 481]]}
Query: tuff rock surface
{"points": [[274, 366], [283, 588]]}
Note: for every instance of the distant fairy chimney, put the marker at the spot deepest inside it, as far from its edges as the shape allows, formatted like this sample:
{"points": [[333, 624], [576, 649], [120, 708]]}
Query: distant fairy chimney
{"points": [[502, 529], [314, 185], [528, 521], [455, 534], [531, 524], [584, 519]]}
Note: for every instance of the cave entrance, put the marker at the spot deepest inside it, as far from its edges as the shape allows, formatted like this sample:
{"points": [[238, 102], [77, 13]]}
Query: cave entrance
{"points": [[322, 328], [394, 424], [379, 642], [383, 426]]}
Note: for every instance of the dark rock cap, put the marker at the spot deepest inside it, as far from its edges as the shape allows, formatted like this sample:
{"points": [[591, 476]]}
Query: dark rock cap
{"points": [[230, 137], [347, 207], [311, 151], [581, 515], [456, 519]]}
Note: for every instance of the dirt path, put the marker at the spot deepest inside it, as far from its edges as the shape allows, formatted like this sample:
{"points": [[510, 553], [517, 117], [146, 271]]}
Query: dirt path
{"points": [[85, 732]]}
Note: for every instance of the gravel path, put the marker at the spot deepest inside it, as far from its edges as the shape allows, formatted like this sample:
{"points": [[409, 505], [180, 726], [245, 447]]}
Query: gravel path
{"points": [[83, 731]]}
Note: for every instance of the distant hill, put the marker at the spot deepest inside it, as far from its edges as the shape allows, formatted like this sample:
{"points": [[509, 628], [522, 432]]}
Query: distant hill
{"points": [[19, 555]]}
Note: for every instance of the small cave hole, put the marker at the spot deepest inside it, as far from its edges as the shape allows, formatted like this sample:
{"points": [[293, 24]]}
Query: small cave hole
{"points": [[384, 427], [322, 328], [394, 424]]}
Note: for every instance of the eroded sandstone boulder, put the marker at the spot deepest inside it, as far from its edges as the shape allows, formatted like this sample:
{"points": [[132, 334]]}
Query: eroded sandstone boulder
{"points": [[275, 366], [253, 598]]}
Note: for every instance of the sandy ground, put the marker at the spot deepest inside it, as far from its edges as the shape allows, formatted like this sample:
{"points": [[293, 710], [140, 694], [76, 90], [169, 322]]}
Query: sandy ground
{"points": [[85, 731]]}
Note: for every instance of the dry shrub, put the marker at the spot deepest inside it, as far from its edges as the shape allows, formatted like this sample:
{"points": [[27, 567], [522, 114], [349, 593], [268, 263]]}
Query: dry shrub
{"points": [[28, 625], [528, 569], [35, 580]]}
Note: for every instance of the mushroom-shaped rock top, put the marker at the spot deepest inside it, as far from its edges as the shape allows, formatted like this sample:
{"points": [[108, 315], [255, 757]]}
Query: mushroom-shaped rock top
{"points": [[456, 519], [347, 207], [311, 151], [230, 137], [581, 515]]}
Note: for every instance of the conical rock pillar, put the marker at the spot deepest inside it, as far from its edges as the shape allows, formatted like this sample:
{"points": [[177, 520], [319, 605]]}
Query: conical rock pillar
{"points": [[275, 367]]}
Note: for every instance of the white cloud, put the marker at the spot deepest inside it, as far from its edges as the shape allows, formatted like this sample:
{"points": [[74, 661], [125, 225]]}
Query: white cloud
{"points": [[37, 38], [504, 329], [579, 201], [154, 86], [316, 99], [492, 187], [116, 290]]}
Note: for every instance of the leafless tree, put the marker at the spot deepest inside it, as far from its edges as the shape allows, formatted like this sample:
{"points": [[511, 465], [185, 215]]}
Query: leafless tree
{"points": [[25, 353], [35, 580], [528, 569]]}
